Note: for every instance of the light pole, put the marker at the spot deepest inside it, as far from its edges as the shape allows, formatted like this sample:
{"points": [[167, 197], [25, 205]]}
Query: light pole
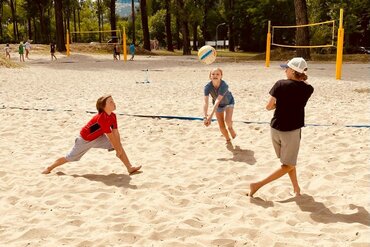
{"points": [[221, 24]]}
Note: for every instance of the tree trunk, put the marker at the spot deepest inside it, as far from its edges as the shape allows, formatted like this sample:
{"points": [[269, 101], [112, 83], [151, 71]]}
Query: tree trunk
{"points": [[42, 23], [14, 19], [79, 19], [230, 17], [1, 21], [195, 37], [186, 50], [29, 25], [59, 25], [35, 30], [144, 22], [113, 26], [168, 27], [302, 34], [99, 20], [205, 25], [178, 40], [184, 28], [133, 21], [74, 24]]}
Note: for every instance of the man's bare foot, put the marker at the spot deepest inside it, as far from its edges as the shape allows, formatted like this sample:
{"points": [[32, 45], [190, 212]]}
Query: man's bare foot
{"points": [[253, 187], [46, 171], [133, 169]]}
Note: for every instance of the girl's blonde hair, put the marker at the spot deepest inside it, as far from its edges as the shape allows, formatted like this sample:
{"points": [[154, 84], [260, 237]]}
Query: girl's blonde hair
{"points": [[219, 69], [101, 102]]}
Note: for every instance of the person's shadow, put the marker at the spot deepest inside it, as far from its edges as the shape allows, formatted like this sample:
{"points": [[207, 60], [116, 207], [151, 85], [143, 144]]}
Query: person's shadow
{"points": [[240, 155], [320, 213], [118, 180], [260, 202]]}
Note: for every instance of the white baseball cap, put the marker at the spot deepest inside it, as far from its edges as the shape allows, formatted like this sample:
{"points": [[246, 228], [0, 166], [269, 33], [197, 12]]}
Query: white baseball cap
{"points": [[297, 64]]}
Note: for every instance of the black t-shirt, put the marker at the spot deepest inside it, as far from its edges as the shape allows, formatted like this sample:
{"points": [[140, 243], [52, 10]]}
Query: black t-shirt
{"points": [[291, 98]]}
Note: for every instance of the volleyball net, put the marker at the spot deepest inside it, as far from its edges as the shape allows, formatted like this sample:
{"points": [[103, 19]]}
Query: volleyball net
{"points": [[102, 37], [321, 35]]}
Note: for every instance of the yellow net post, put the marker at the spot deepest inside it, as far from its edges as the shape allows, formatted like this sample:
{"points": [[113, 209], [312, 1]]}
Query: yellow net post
{"points": [[268, 45], [338, 67], [67, 39], [124, 45]]}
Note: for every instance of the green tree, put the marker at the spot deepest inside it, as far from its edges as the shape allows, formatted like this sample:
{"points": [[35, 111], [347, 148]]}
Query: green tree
{"points": [[168, 26]]}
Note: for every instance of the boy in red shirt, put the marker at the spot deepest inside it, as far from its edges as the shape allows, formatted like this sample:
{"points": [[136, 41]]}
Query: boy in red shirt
{"points": [[100, 132]]}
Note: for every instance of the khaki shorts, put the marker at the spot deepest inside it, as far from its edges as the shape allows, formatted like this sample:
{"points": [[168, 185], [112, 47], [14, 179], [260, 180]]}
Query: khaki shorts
{"points": [[286, 145], [82, 146]]}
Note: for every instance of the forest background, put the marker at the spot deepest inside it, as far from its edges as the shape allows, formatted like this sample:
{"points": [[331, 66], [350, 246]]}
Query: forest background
{"points": [[175, 23]]}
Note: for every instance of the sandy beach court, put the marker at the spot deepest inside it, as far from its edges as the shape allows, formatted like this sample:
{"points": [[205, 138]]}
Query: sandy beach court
{"points": [[192, 188]]}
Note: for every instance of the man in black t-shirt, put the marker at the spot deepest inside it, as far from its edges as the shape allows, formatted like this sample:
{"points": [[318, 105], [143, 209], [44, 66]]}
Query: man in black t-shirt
{"points": [[288, 98]]}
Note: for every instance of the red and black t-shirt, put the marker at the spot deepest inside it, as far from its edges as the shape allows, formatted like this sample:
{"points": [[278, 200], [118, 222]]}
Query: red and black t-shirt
{"points": [[100, 124]]}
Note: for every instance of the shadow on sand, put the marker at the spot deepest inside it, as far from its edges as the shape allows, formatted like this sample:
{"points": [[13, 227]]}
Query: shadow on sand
{"points": [[320, 213], [240, 155], [118, 180]]}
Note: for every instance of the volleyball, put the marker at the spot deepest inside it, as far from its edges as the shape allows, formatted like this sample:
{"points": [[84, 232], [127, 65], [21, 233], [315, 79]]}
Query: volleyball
{"points": [[207, 54]]}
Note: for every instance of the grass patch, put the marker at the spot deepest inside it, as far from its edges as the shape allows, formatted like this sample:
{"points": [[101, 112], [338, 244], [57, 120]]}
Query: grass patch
{"points": [[8, 63], [362, 90]]}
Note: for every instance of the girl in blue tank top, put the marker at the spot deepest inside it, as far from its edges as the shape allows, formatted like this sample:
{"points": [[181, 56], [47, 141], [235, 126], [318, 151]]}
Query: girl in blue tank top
{"points": [[223, 104]]}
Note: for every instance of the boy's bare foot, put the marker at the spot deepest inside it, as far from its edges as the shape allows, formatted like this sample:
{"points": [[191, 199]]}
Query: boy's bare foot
{"points": [[253, 187], [46, 171], [133, 169]]}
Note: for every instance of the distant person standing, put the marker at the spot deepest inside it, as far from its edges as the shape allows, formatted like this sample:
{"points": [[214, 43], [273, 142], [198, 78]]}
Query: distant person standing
{"points": [[7, 51], [116, 53], [132, 51], [27, 45], [52, 51], [21, 52]]}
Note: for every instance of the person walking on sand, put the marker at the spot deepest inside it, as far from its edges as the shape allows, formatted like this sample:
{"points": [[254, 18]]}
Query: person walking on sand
{"points": [[132, 51], [52, 51], [116, 53], [223, 104], [100, 132], [7, 51], [289, 98], [27, 47], [21, 52]]}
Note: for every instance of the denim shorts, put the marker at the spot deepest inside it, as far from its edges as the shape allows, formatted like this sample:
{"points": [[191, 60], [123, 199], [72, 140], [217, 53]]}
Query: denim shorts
{"points": [[223, 108]]}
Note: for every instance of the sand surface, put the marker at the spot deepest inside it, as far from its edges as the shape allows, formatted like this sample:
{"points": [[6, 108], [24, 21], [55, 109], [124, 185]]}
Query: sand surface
{"points": [[192, 188]]}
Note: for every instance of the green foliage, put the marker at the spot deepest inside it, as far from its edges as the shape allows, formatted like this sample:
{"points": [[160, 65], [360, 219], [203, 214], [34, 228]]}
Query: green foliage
{"points": [[249, 17], [157, 26]]}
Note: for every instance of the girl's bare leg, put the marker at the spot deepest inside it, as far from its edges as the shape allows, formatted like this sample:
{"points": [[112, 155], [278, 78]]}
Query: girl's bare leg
{"points": [[221, 124], [229, 121]]}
